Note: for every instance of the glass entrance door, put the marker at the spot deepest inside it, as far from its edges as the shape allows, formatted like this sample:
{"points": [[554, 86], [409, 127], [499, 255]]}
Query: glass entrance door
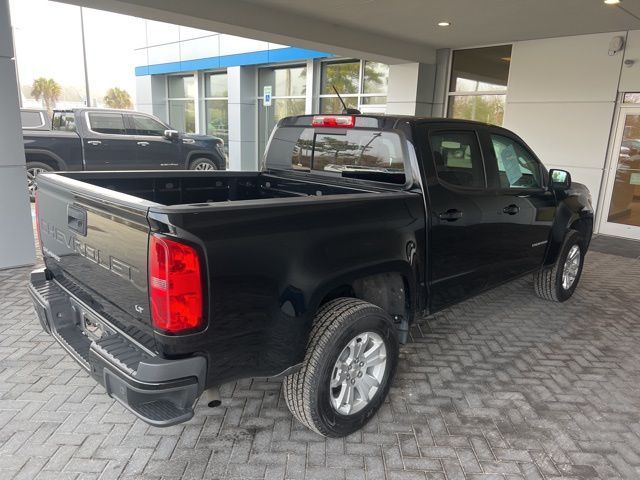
{"points": [[622, 204]]}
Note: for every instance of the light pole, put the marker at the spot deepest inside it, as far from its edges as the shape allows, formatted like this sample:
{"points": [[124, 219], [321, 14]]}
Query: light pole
{"points": [[84, 59]]}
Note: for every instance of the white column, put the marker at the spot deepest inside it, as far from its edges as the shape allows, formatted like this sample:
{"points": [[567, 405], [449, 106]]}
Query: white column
{"points": [[16, 233], [243, 148], [308, 104], [151, 95], [411, 89]]}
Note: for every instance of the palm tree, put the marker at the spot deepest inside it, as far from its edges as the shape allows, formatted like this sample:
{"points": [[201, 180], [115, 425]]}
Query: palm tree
{"points": [[118, 98], [48, 90]]}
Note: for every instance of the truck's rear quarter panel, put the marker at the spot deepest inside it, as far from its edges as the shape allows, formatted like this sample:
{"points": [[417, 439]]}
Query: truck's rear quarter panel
{"points": [[271, 262]]}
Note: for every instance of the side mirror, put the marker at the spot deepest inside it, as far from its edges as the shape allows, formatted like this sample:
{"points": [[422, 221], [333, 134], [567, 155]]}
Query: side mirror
{"points": [[560, 179], [171, 134]]}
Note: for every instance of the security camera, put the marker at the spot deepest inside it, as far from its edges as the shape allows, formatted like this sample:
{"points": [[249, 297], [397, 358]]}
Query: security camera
{"points": [[616, 44]]}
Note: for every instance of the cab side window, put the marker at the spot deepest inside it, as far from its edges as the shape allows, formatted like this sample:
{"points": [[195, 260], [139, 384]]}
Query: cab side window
{"points": [[108, 123], [458, 159], [515, 165]]}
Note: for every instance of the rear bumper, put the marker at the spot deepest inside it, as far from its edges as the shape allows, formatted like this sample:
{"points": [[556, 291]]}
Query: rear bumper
{"points": [[159, 391]]}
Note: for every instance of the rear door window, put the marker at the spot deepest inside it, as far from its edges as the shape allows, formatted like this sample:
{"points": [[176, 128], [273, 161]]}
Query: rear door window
{"points": [[107, 123], [366, 154], [457, 158], [31, 119]]}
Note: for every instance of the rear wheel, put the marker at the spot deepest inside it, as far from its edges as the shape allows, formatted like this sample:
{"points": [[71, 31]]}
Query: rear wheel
{"points": [[33, 170], [203, 164], [348, 368], [558, 282]]}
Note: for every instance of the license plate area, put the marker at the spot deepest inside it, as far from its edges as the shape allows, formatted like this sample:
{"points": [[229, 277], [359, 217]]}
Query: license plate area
{"points": [[90, 325]]}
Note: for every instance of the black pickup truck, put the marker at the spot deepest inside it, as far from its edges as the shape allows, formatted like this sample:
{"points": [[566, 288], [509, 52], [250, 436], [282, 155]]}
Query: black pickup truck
{"points": [[165, 285], [105, 139]]}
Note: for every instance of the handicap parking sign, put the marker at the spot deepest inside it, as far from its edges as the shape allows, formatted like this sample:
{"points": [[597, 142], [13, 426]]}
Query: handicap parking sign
{"points": [[266, 98]]}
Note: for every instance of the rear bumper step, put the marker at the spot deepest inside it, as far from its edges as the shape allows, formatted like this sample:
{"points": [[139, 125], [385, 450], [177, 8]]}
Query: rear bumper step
{"points": [[159, 391]]}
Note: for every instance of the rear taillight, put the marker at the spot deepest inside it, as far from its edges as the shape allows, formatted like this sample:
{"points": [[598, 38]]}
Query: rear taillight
{"points": [[333, 121], [37, 220], [175, 286]]}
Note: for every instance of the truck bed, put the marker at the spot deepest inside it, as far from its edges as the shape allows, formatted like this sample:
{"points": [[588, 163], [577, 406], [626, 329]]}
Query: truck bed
{"points": [[206, 188], [273, 246]]}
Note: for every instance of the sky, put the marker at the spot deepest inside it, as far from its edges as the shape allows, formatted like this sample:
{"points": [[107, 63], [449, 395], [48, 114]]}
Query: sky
{"points": [[48, 43]]}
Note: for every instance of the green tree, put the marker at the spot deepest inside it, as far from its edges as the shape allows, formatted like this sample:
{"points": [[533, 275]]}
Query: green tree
{"points": [[118, 98], [48, 90]]}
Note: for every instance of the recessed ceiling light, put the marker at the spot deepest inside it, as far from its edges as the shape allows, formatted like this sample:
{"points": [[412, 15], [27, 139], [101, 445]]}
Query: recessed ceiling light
{"points": [[612, 2], [448, 24]]}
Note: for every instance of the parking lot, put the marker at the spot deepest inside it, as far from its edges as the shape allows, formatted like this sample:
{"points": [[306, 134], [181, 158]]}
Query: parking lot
{"points": [[503, 386]]}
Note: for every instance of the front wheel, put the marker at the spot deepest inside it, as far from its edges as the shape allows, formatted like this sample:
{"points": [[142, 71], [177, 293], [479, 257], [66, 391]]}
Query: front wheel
{"points": [[558, 282], [348, 368], [203, 164]]}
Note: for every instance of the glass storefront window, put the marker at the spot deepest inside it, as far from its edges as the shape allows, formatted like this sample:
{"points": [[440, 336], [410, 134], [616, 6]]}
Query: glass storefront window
{"points": [[478, 83], [217, 118], [182, 112], [215, 85], [345, 76], [377, 100], [182, 87], [631, 97], [624, 208], [480, 69], [182, 115], [333, 105], [288, 90], [216, 106], [362, 85], [376, 78], [482, 108]]}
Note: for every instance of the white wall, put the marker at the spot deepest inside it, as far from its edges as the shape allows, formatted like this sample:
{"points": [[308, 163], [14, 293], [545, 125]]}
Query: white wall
{"points": [[561, 100], [630, 78]]}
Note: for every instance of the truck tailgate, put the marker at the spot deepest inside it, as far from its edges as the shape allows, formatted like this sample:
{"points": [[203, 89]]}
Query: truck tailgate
{"points": [[94, 243]]}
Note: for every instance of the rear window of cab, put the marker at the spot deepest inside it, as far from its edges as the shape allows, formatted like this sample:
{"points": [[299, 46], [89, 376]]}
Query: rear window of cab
{"points": [[353, 153]]}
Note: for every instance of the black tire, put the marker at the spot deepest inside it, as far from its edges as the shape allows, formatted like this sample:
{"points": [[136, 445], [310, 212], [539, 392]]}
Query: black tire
{"points": [[548, 281], [205, 164], [307, 392], [33, 167]]}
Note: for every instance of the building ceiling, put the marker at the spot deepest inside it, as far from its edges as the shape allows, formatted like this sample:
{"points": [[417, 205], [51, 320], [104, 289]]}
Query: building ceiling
{"points": [[386, 30], [473, 22]]}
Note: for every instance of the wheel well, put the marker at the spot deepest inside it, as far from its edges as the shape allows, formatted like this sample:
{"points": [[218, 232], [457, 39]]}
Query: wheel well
{"points": [[585, 227], [42, 158], [388, 291]]}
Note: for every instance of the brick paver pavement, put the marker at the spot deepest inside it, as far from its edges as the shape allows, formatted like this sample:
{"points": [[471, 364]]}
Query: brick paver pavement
{"points": [[503, 386]]}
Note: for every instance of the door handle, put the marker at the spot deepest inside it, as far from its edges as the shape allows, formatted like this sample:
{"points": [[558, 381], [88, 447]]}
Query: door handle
{"points": [[450, 215], [143, 144], [511, 209], [77, 219], [94, 142]]}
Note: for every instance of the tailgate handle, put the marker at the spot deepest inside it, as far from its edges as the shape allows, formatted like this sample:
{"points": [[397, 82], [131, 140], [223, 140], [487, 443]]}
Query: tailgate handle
{"points": [[77, 219]]}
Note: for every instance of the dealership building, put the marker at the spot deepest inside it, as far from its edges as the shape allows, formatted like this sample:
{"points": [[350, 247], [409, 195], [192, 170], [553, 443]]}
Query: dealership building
{"points": [[573, 99], [568, 88]]}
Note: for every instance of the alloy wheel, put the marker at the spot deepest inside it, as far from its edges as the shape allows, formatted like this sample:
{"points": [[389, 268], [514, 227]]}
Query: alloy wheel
{"points": [[358, 373], [205, 166], [31, 179], [571, 267]]}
